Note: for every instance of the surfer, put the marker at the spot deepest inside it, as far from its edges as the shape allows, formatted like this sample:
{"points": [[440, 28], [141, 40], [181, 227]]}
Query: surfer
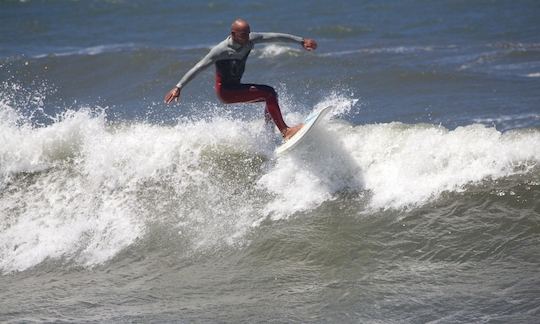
{"points": [[230, 57]]}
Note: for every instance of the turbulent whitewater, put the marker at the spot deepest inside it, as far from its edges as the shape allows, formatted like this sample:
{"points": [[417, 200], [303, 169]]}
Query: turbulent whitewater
{"points": [[82, 190]]}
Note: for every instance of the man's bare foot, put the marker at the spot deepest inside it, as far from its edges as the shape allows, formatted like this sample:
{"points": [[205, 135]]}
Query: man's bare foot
{"points": [[290, 131]]}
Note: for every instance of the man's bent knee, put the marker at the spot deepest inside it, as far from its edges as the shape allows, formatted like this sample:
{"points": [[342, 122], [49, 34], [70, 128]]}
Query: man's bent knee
{"points": [[268, 91]]}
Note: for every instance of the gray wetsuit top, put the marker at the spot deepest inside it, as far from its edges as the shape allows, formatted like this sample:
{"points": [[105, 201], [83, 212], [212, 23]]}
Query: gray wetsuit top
{"points": [[230, 57]]}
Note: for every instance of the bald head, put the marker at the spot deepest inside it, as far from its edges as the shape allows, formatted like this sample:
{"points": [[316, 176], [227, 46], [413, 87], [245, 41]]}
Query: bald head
{"points": [[240, 25], [240, 31]]}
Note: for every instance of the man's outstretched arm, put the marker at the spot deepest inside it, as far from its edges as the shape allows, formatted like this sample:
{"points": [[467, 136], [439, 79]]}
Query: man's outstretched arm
{"points": [[206, 61], [308, 43]]}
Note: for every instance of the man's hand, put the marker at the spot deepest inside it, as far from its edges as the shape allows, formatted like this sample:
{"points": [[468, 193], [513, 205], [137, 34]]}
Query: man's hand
{"points": [[309, 44], [174, 94]]}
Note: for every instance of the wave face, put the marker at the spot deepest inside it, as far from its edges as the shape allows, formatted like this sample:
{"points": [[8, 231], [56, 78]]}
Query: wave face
{"points": [[83, 190]]}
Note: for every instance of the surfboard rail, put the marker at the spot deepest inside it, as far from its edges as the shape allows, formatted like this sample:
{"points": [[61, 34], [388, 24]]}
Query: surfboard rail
{"points": [[309, 123]]}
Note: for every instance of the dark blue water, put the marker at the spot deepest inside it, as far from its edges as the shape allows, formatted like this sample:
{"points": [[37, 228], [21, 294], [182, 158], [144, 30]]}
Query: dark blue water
{"points": [[447, 62], [418, 202]]}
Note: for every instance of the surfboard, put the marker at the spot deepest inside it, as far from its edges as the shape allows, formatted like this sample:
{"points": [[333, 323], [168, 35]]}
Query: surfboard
{"points": [[310, 123]]}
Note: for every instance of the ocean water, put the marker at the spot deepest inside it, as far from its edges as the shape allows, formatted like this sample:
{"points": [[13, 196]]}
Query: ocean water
{"points": [[418, 200]]}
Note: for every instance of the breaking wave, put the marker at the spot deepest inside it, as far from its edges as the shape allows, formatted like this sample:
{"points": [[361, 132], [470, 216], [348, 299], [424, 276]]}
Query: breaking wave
{"points": [[81, 190]]}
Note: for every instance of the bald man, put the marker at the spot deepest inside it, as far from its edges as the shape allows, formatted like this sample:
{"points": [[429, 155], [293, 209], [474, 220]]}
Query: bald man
{"points": [[230, 57]]}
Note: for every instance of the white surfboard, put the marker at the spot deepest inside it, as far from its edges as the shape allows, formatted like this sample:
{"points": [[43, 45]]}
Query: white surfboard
{"points": [[309, 123]]}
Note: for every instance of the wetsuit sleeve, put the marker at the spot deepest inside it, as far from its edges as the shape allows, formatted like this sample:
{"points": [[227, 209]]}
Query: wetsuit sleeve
{"points": [[274, 38], [206, 61]]}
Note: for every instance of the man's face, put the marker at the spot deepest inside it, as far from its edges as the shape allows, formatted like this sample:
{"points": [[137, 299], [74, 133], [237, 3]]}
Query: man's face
{"points": [[240, 36]]}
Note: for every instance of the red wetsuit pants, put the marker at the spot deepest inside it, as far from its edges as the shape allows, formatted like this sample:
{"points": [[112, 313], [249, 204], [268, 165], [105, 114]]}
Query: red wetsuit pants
{"points": [[240, 92]]}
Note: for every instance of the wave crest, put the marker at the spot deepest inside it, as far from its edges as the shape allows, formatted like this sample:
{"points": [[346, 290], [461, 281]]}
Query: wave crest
{"points": [[81, 190]]}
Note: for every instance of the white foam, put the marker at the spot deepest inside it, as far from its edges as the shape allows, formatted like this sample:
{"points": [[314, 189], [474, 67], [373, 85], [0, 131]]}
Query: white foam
{"points": [[82, 202], [401, 166], [306, 177], [90, 51], [60, 214], [506, 118], [382, 50], [80, 190], [410, 165], [274, 50], [340, 104], [27, 149], [506, 122]]}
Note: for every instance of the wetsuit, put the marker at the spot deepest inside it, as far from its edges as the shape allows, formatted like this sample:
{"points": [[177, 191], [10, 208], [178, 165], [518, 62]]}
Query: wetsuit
{"points": [[230, 60]]}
